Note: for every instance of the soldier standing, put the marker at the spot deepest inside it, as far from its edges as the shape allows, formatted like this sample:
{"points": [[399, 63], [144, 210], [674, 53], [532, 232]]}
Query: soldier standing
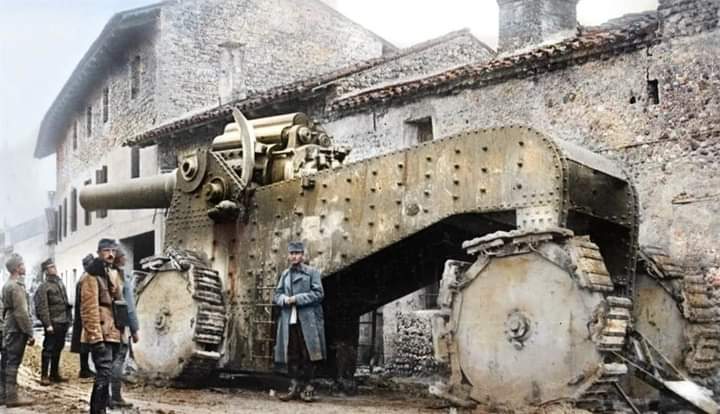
{"points": [[300, 340], [53, 310], [99, 332], [18, 330], [75, 345], [124, 285]]}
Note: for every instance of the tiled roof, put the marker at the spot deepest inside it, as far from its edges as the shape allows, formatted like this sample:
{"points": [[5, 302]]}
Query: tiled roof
{"points": [[617, 36], [631, 32], [303, 88]]}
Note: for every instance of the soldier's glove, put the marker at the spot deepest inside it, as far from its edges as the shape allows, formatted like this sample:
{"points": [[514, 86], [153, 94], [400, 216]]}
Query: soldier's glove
{"points": [[98, 348]]}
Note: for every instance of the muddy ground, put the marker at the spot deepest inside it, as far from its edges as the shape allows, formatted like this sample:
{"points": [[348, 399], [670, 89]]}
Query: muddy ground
{"points": [[232, 397]]}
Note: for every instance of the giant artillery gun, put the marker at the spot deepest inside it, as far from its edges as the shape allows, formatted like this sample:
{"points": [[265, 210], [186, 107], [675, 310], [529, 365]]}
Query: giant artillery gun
{"points": [[533, 239]]}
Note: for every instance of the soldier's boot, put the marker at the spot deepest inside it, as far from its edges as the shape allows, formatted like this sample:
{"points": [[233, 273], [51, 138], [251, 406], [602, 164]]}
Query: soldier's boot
{"points": [[44, 368], [116, 399], [99, 399], [11, 393], [85, 371], [293, 391], [308, 393], [55, 370]]}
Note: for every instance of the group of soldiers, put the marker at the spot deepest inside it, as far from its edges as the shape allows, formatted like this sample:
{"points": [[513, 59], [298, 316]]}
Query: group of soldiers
{"points": [[105, 322], [103, 325]]}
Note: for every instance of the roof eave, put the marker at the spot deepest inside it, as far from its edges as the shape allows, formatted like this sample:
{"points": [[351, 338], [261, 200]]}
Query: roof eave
{"points": [[119, 25]]}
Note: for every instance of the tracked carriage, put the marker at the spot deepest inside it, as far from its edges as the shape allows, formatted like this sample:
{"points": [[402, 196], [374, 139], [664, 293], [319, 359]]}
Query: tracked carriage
{"points": [[534, 240]]}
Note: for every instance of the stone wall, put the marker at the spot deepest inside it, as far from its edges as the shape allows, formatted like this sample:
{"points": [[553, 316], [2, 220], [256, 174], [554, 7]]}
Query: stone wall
{"points": [[529, 22], [462, 48], [283, 41], [410, 338], [687, 17], [126, 116]]}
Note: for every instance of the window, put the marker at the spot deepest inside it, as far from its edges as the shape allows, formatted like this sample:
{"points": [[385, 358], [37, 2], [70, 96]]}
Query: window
{"points": [[88, 216], [101, 178], [135, 77], [73, 210], [88, 121], [64, 208], [105, 104], [134, 162], [419, 130], [51, 216], [75, 132], [59, 223], [653, 91]]}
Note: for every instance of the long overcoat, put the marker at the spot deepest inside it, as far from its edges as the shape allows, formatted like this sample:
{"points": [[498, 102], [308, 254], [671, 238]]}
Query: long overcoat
{"points": [[303, 282]]}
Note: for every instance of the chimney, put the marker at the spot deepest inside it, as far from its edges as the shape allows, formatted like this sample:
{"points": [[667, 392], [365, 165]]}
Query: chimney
{"points": [[231, 82], [525, 23]]}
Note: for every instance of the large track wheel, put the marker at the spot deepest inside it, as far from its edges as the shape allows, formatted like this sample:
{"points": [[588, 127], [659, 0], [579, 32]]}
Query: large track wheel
{"points": [[182, 318], [531, 322], [675, 310]]}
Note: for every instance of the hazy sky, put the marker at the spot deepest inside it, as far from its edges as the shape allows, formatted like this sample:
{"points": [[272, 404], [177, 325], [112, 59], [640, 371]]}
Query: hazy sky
{"points": [[41, 41]]}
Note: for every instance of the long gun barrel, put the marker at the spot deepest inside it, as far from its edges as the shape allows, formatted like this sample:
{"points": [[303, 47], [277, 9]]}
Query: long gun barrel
{"points": [[138, 193]]}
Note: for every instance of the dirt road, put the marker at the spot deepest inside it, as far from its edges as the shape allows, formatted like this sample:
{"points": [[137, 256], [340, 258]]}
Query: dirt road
{"points": [[72, 397], [252, 397]]}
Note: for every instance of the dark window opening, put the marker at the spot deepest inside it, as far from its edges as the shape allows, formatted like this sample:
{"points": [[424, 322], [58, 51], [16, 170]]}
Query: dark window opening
{"points": [[59, 223], [101, 177], [105, 104], [421, 130], [653, 91], [135, 162], [75, 133], [431, 295], [73, 210], [65, 214], [134, 77], [632, 100], [88, 121], [51, 216], [88, 216]]}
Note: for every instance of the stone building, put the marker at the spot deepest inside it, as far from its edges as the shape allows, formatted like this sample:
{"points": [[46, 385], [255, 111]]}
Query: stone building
{"points": [[156, 63], [643, 89], [30, 240]]}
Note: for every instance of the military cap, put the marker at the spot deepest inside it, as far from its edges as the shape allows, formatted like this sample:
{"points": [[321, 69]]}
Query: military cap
{"points": [[107, 244], [47, 263], [13, 262], [296, 247]]}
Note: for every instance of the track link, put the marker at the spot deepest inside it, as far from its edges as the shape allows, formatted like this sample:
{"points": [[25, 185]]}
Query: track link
{"points": [[211, 318], [582, 259], [698, 304]]}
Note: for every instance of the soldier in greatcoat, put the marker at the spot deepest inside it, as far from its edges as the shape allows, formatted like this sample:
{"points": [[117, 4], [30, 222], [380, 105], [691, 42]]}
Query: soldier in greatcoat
{"points": [[18, 331], [300, 340], [52, 307]]}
